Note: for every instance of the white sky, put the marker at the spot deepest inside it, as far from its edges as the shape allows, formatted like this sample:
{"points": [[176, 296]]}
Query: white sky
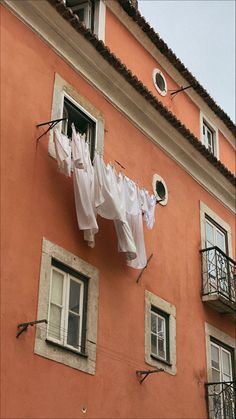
{"points": [[202, 34]]}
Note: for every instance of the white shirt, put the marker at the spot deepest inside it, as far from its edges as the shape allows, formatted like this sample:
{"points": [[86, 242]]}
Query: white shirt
{"points": [[63, 152]]}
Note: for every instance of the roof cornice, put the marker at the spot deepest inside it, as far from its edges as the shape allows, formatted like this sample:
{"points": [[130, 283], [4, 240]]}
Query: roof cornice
{"points": [[134, 13], [137, 84]]}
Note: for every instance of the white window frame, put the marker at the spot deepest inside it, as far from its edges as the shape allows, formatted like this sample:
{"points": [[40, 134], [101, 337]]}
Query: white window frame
{"points": [[86, 5], [155, 312], [157, 178], [55, 351], [63, 89], [154, 73], [65, 310], [220, 336], [221, 349], [205, 212], [152, 300], [99, 19], [212, 128]]}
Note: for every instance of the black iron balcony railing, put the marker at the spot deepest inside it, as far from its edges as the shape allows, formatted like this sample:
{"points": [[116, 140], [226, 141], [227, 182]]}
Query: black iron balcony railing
{"points": [[218, 274], [221, 398]]}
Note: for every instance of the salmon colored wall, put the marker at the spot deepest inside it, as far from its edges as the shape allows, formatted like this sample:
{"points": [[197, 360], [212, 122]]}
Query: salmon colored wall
{"points": [[141, 63], [227, 153], [39, 203]]}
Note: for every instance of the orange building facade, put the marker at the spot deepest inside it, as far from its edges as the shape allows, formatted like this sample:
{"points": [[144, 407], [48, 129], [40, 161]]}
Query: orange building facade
{"points": [[112, 341]]}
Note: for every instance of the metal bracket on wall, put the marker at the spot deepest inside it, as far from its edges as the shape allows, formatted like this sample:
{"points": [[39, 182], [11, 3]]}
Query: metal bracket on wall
{"points": [[145, 267], [24, 326], [51, 124], [175, 92], [146, 373]]}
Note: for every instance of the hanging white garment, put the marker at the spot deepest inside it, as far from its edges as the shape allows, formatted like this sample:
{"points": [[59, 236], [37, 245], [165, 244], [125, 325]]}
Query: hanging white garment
{"points": [[110, 204], [134, 218], [63, 152], [148, 205], [84, 188], [77, 150]]}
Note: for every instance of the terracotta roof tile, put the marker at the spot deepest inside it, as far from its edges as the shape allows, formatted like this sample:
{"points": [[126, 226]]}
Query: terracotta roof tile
{"points": [[139, 86], [165, 50]]}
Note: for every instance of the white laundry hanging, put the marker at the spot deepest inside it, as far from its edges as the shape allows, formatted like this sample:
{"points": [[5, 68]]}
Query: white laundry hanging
{"points": [[148, 205], [134, 218], [110, 204], [99, 189], [84, 187], [63, 152]]}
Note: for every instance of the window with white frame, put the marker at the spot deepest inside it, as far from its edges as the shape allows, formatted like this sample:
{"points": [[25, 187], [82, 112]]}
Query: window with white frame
{"points": [[221, 362], [209, 136], [68, 298], [91, 13], [160, 333], [68, 103], [67, 307], [84, 123], [220, 386]]}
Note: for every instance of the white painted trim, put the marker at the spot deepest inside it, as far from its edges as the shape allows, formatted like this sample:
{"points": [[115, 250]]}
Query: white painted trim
{"points": [[211, 331], [86, 61], [205, 210], [153, 300], [71, 357], [169, 68], [214, 129], [158, 178], [154, 73], [100, 19]]}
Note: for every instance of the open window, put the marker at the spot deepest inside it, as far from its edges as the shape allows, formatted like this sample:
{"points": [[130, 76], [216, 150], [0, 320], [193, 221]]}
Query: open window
{"points": [[91, 13], [84, 123]]}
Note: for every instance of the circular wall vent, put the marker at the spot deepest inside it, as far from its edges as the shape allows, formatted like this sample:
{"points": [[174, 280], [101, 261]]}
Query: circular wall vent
{"points": [[160, 189], [159, 82]]}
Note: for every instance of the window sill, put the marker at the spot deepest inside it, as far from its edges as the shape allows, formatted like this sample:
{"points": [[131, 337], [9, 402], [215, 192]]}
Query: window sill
{"points": [[161, 360], [66, 348]]}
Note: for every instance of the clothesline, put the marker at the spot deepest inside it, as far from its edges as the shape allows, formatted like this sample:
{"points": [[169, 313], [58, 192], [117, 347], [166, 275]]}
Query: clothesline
{"points": [[100, 190]]}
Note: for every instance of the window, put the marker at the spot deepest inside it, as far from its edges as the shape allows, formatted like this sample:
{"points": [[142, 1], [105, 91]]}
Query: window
{"points": [[159, 82], [209, 136], [220, 386], [84, 10], [67, 308], [68, 298], [84, 123], [69, 103], [160, 333], [221, 362], [160, 189], [91, 13]]}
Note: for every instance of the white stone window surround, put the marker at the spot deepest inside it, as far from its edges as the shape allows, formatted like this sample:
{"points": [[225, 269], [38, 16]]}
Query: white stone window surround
{"points": [[153, 300], [214, 129], [206, 211], [160, 91], [213, 332], [56, 352], [64, 89]]}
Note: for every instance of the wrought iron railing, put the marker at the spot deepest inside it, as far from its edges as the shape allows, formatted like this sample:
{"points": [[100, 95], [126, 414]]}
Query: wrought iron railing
{"points": [[221, 398], [218, 273]]}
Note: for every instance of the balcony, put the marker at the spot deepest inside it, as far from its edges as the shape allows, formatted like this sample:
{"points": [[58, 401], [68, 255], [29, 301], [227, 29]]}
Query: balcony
{"points": [[221, 398], [218, 280]]}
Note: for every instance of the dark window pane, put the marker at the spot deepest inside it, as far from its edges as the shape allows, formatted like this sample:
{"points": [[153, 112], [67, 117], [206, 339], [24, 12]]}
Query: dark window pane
{"points": [[74, 301], [153, 344], [73, 331], [160, 82]]}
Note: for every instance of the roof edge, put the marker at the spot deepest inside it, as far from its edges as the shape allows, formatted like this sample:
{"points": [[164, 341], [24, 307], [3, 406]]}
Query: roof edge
{"points": [[134, 13], [137, 84]]}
